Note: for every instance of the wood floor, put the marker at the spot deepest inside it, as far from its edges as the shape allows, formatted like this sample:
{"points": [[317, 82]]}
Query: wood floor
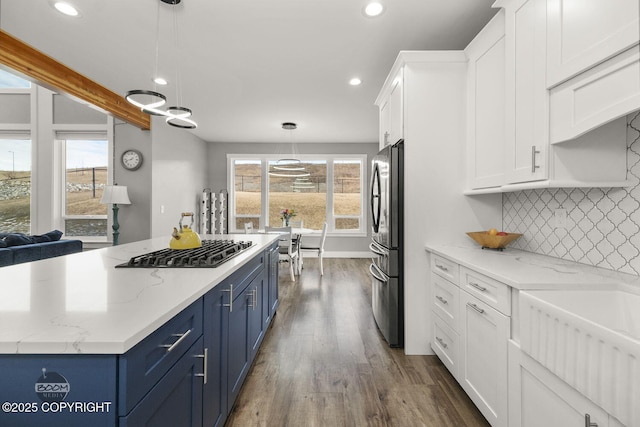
{"points": [[324, 363]]}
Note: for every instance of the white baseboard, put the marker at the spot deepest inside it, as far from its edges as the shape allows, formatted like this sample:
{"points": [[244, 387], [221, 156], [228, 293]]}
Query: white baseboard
{"points": [[341, 254]]}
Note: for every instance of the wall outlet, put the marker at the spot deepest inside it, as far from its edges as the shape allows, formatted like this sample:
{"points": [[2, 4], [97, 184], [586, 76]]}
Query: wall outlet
{"points": [[560, 216], [161, 209]]}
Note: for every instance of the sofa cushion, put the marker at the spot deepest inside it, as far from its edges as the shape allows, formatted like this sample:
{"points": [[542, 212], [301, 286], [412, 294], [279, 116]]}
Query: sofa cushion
{"points": [[19, 239]]}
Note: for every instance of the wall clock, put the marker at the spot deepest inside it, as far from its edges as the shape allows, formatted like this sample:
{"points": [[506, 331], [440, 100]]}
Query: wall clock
{"points": [[131, 159]]}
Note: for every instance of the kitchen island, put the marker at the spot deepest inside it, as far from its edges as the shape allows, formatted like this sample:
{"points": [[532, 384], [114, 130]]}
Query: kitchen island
{"points": [[85, 343]]}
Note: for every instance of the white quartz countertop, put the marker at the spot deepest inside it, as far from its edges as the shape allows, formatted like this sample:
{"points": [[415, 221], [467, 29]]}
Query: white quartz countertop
{"points": [[81, 303], [528, 271]]}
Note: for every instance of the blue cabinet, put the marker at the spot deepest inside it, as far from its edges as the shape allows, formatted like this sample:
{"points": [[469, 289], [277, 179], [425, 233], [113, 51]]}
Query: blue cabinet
{"points": [[176, 400], [273, 298], [187, 373], [216, 325]]}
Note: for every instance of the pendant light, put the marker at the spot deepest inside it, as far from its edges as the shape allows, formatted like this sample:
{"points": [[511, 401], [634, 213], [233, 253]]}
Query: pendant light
{"points": [[150, 101], [289, 167]]}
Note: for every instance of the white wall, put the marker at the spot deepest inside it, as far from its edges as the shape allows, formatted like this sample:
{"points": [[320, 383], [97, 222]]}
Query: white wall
{"points": [[179, 173]]}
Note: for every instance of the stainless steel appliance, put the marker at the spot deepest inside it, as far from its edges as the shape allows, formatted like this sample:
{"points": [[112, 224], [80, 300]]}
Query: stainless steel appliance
{"points": [[387, 202], [212, 253]]}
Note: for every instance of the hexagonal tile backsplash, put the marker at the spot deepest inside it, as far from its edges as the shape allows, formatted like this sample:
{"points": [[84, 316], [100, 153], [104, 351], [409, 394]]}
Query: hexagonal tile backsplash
{"points": [[603, 224]]}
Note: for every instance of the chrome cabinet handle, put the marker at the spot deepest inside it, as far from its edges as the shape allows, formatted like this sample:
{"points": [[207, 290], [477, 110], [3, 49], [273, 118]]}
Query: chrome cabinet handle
{"points": [[230, 305], [533, 158], [478, 287], [170, 347], [442, 300], [587, 421], [442, 343], [386, 138], [475, 307], [205, 363], [442, 267], [254, 298]]}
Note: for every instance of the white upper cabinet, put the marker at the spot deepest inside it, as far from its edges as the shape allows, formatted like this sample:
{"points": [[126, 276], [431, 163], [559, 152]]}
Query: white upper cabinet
{"points": [[391, 113], [527, 140], [583, 33], [486, 106]]}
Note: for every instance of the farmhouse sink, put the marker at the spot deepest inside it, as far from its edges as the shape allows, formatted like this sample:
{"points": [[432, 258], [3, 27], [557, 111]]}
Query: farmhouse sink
{"points": [[591, 340]]}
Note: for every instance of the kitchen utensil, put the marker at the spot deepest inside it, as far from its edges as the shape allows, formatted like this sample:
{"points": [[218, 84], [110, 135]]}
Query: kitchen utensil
{"points": [[184, 237]]}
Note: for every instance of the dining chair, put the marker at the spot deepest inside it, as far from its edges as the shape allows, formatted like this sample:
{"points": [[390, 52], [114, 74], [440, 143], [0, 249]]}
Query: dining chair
{"points": [[248, 227], [317, 249], [287, 250]]}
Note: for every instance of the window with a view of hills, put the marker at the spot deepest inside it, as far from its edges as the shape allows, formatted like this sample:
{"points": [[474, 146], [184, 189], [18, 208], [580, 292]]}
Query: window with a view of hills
{"points": [[324, 188]]}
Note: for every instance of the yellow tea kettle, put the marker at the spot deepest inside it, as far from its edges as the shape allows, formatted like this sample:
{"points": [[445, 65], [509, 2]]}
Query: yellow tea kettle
{"points": [[185, 237]]}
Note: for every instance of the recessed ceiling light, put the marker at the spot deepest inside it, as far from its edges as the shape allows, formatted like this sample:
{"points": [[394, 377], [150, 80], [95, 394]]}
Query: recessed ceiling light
{"points": [[66, 8], [160, 81], [355, 81], [373, 9]]}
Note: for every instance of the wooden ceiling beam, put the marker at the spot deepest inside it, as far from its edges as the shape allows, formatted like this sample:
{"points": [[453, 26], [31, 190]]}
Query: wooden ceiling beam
{"points": [[46, 71]]}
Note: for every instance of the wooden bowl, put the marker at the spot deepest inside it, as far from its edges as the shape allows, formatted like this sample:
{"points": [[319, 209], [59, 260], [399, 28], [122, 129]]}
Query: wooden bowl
{"points": [[494, 242]]}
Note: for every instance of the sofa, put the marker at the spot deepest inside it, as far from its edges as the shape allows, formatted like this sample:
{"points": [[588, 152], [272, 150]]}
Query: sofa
{"points": [[16, 248]]}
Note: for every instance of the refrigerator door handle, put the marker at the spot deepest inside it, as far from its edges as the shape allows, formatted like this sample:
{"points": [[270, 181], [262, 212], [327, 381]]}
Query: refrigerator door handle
{"points": [[378, 274], [377, 249], [375, 181]]}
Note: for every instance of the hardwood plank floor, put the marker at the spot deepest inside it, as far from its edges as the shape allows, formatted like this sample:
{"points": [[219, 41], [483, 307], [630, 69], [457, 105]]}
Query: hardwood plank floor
{"points": [[324, 363]]}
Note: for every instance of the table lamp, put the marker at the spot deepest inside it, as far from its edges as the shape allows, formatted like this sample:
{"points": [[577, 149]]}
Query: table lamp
{"points": [[115, 195]]}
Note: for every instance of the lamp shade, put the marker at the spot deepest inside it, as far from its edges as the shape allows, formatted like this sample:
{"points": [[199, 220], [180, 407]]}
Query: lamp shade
{"points": [[115, 194]]}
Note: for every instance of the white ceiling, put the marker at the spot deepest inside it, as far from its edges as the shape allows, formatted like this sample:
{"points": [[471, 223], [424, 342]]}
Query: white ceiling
{"points": [[246, 66]]}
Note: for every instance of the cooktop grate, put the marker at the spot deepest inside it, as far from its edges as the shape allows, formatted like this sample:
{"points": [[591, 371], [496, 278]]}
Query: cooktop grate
{"points": [[211, 254]]}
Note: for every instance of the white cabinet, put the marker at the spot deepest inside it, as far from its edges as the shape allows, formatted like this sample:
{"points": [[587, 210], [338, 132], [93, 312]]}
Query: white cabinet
{"points": [[583, 33], [471, 328], [486, 106], [593, 64], [585, 114], [484, 334], [391, 112], [597, 96], [527, 140], [540, 399]]}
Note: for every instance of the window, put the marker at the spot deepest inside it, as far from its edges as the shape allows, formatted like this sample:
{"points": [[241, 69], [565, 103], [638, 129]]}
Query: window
{"points": [[333, 192], [247, 192], [347, 189], [15, 184], [85, 175], [11, 81]]}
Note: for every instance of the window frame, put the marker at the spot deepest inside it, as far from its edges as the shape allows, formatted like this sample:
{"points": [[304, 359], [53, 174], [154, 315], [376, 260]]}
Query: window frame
{"points": [[264, 188], [79, 132]]}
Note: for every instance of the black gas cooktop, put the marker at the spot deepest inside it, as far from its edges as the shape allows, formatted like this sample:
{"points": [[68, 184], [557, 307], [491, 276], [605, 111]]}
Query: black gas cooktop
{"points": [[210, 255]]}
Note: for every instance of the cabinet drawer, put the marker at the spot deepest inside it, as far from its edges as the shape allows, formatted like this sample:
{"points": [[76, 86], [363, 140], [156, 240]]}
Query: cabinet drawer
{"points": [[445, 300], [142, 367], [445, 344], [486, 289], [445, 268]]}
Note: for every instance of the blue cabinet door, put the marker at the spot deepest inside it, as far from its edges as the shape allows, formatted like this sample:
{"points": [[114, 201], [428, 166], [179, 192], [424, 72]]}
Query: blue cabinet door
{"points": [[238, 350], [176, 400], [259, 312], [216, 323], [273, 298]]}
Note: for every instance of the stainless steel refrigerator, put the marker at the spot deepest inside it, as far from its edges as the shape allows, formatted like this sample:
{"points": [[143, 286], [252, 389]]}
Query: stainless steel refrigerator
{"points": [[387, 203]]}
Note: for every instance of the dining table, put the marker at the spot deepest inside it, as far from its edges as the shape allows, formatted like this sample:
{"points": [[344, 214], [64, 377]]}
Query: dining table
{"points": [[296, 235]]}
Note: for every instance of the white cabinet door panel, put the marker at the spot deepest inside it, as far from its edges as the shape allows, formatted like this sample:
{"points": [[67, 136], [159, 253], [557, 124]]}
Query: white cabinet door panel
{"points": [[583, 33], [484, 333]]}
